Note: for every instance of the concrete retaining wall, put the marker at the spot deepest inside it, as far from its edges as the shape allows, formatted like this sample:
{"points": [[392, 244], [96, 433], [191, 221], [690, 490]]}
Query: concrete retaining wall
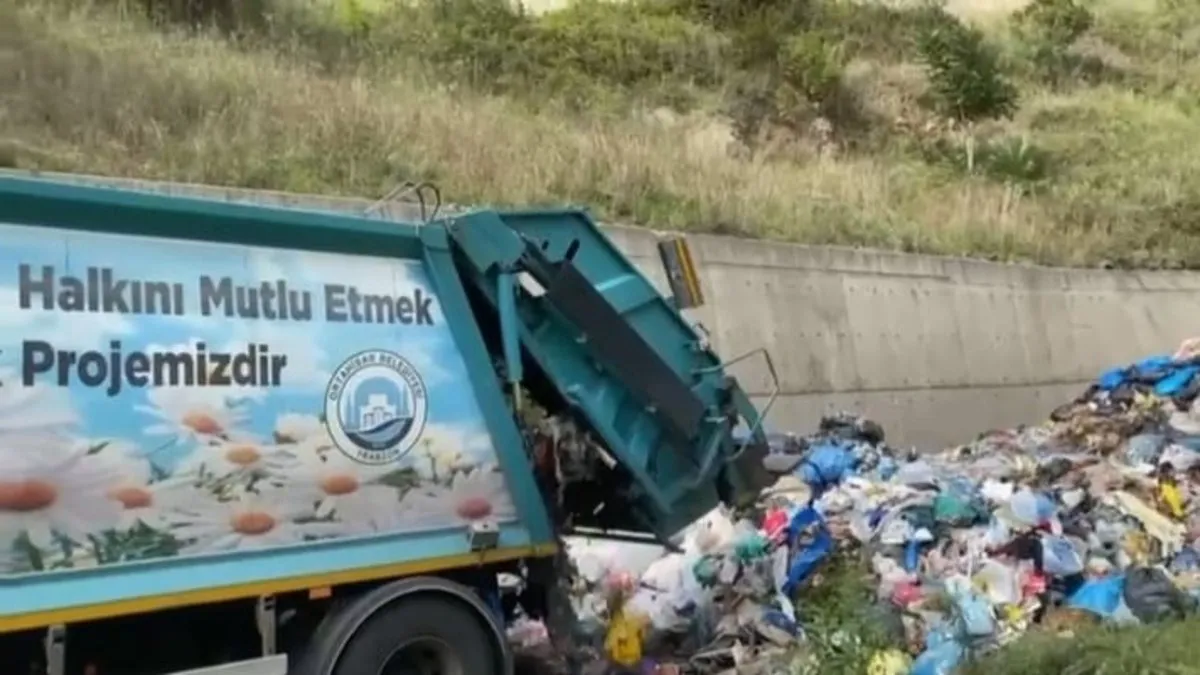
{"points": [[936, 349]]}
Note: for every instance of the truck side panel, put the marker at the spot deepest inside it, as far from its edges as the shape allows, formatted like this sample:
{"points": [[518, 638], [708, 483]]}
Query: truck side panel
{"points": [[187, 421]]}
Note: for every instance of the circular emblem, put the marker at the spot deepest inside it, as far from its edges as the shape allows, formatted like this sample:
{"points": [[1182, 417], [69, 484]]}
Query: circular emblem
{"points": [[375, 407]]}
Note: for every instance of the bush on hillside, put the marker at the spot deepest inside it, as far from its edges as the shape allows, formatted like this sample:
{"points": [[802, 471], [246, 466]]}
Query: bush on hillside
{"points": [[967, 83], [884, 32], [1048, 29], [656, 55]]}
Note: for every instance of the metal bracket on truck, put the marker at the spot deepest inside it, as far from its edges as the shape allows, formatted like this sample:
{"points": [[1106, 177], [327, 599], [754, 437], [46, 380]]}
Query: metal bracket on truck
{"points": [[258, 432]]}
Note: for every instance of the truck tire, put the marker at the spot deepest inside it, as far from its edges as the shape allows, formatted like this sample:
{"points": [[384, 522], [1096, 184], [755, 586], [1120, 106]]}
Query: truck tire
{"points": [[420, 626], [423, 634]]}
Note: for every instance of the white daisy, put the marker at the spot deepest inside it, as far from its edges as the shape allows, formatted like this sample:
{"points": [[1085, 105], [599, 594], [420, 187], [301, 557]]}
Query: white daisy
{"points": [[251, 520], [344, 488], [32, 409], [48, 485], [240, 459], [294, 428], [475, 495], [192, 413], [153, 504]]}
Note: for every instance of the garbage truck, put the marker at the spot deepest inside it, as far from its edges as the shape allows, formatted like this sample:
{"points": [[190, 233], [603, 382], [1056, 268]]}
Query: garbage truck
{"points": [[265, 440]]}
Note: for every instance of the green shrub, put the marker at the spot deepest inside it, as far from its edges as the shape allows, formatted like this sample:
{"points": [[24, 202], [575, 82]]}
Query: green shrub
{"points": [[1047, 30], [874, 30], [813, 66], [785, 16], [1012, 160], [623, 47], [805, 82], [476, 41], [966, 80]]}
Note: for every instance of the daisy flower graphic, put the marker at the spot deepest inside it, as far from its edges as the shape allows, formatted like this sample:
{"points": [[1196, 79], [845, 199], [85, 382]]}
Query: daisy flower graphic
{"points": [[471, 496], [251, 520], [49, 485], [143, 500], [341, 487], [240, 459], [192, 413]]}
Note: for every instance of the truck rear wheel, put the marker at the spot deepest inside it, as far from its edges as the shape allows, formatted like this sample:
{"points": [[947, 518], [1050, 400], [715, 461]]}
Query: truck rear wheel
{"points": [[421, 626], [420, 635]]}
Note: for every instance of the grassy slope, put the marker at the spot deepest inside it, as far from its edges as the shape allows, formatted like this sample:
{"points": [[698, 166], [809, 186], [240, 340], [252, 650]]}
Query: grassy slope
{"points": [[92, 92]]}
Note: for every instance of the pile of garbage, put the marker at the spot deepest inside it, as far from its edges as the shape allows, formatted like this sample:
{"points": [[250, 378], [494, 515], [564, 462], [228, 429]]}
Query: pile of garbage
{"points": [[1091, 517]]}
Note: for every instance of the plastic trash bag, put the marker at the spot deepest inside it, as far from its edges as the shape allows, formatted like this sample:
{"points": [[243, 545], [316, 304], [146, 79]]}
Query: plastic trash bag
{"points": [[826, 465], [974, 613], [912, 556], [959, 505], [748, 543], [997, 491], [1101, 597], [1151, 369], [712, 533], [1187, 560], [1180, 456], [594, 561], [1177, 381], [1170, 498], [776, 626], [1060, 558], [941, 656], [915, 473], [1030, 508], [670, 594], [998, 583], [886, 468], [1144, 449], [626, 634], [810, 543], [1152, 595]]}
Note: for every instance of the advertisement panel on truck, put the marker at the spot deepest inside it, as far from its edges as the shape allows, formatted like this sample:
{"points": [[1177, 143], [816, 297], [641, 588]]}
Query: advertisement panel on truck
{"points": [[165, 398]]}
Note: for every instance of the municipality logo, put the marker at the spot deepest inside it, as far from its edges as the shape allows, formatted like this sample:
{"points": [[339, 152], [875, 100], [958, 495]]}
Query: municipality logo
{"points": [[375, 407]]}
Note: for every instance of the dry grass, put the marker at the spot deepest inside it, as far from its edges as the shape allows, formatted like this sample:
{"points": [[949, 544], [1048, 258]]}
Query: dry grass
{"points": [[92, 92]]}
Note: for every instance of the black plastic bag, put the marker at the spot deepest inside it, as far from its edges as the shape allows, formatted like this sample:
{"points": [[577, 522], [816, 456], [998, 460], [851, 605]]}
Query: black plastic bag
{"points": [[1152, 596]]}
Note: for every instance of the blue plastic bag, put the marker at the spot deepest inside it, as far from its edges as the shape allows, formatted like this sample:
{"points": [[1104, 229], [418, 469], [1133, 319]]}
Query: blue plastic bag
{"points": [[826, 465], [1059, 556], [806, 559], [1177, 381], [887, 468], [939, 659], [1151, 369], [1101, 597], [975, 616]]}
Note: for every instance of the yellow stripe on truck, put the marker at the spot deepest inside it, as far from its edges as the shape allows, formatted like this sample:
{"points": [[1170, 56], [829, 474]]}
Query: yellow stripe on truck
{"points": [[317, 582]]}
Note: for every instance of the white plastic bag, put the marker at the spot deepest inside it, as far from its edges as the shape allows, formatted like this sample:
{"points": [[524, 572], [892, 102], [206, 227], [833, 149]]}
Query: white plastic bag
{"points": [[1060, 557], [712, 533], [998, 583]]}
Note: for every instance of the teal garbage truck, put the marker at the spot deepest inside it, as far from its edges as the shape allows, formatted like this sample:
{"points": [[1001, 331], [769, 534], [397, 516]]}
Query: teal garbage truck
{"points": [[242, 439]]}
